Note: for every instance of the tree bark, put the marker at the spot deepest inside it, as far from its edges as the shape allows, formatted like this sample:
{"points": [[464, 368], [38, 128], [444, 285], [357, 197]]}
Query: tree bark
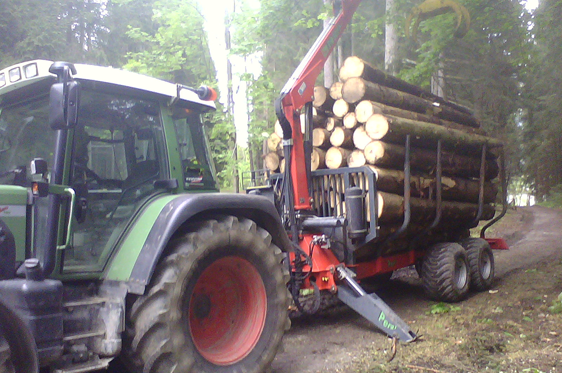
{"points": [[354, 67], [423, 134], [365, 109], [342, 137], [356, 89], [392, 156], [322, 99], [332, 123], [337, 157], [391, 209], [321, 138], [318, 159], [424, 186]]}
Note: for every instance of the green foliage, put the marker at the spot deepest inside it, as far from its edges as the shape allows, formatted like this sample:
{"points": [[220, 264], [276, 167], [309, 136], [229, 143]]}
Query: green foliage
{"points": [[554, 197], [178, 50], [441, 308], [556, 305]]}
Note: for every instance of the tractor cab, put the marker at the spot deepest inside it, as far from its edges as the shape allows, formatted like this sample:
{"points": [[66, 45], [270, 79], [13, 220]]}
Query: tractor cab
{"points": [[109, 141]]}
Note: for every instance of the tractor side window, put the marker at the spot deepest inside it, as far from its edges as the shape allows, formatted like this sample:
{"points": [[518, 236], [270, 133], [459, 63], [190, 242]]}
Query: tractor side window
{"points": [[118, 154], [24, 135], [198, 172]]}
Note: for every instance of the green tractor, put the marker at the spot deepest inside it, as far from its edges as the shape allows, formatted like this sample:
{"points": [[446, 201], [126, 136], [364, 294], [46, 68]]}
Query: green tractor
{"points": [[113, 239]]}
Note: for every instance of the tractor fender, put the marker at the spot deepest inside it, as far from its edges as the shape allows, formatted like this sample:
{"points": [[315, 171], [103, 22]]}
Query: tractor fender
{"points": [[186, 208]]}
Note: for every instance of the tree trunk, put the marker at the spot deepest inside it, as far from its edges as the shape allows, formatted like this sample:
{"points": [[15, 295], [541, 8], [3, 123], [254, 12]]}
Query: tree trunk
{"points": [[392, 156], [342, 137], [341, 107], [423, 134], [321, 138], [356, 158], [332, 123], [365, 109], [390, 38], [273, 142], [278, 129], [354, 67], [322, 99], [318, 159], [319, 118], [391, 209], [349, 120], [337, 157], [424, 186], [272, 161], [360, 138], [335, 90], [357, 89]]}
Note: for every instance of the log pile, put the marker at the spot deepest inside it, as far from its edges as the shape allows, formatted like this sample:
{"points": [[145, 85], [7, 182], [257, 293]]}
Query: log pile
{"points": [[364, 120]]}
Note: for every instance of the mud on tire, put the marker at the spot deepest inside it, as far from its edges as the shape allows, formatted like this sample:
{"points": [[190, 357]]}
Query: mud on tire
{"points": [[480, 263], [217, 303], [445, 272]]}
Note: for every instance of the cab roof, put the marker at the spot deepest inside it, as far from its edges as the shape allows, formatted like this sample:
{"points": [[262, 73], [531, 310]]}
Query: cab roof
{"points": [[31, 72]]}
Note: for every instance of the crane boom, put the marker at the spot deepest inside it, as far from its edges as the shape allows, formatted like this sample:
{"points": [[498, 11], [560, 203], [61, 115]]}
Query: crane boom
{"points": [[297, 92]]}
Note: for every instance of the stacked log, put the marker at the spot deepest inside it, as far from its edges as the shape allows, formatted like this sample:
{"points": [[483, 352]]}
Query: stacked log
{"points": [[364, 120]]}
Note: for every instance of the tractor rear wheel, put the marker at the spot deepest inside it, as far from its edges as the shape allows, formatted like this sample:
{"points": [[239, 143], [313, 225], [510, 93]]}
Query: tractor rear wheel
{"points": [[445, 272], [218, 302], [480, 263]]}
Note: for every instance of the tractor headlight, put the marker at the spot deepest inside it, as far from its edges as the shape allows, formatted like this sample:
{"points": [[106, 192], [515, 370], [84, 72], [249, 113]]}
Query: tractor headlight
{"points": [[2, 80], [15, 74], [30, 70]]}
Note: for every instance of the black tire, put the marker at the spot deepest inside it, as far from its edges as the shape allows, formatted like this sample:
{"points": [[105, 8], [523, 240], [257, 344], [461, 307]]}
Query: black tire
{"points": [[445, 272], [18, 353], [480, 263], [221, 283]]}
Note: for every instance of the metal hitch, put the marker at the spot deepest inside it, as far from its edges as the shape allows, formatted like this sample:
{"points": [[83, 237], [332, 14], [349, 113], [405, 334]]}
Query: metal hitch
{"points": [[371, 307]]}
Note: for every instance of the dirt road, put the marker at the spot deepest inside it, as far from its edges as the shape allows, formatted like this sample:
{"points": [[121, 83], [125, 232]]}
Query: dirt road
{"points": [[528, 278]]}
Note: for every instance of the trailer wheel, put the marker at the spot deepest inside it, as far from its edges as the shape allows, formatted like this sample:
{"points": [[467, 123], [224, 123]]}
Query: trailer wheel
{"points": [[445, 272], [480, 262], [218, 302]]}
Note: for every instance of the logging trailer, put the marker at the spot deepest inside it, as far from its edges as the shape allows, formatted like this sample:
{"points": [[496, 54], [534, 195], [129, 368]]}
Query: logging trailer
{"points": [[115, 243]]}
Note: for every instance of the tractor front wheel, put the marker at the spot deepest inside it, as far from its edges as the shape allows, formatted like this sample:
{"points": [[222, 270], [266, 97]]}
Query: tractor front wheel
{"points": [[218, 302]]}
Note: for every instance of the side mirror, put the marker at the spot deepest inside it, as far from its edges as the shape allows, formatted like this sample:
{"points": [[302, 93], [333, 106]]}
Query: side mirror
{"points": [[64, 97], [63, 106]]}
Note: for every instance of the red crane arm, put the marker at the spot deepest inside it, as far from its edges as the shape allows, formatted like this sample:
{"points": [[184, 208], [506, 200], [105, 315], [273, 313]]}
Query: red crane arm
{"points": [[299, 90]]}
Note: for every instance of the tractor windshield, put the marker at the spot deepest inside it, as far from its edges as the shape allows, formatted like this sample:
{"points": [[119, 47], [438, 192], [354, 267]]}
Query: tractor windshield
{"points": [[24, 135]]}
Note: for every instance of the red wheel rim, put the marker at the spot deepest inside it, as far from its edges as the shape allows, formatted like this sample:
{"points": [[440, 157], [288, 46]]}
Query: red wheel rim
{"points": [[227, 310]]}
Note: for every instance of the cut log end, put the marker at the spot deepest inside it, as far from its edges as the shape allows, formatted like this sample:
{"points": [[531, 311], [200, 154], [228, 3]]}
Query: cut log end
{"points": [[376, 126]]}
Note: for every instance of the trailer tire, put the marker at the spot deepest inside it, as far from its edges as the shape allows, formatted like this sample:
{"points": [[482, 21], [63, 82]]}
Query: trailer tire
{"points": [[480, 263], [445, 272], [218, 302]]}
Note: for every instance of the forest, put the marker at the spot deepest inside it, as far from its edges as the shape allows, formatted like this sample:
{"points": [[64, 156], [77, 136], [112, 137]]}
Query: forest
{"points": [[505, 67]]}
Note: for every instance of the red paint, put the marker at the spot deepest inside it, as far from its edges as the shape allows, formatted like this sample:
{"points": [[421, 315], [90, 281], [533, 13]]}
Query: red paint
{"points": [[497, 243], [300, 89], [227, 310], [2, 209]]}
